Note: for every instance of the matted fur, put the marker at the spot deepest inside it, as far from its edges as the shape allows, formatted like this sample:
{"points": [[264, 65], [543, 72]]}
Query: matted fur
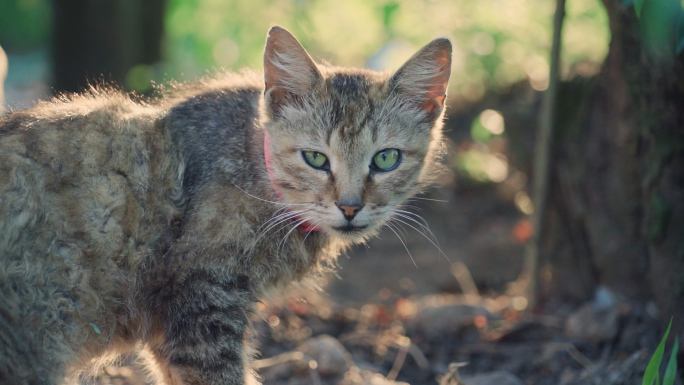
{"points": [[155, 227]]}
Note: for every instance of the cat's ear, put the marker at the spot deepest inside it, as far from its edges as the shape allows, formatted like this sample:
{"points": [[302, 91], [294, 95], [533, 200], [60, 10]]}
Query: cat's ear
{"points": [[289, 71], [423, 78]]}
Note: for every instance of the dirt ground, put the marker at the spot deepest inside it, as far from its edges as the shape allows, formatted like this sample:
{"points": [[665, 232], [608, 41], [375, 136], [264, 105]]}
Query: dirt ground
{"points": [[387, 319]]}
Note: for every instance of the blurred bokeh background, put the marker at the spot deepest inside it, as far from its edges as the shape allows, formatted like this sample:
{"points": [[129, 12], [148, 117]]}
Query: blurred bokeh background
{"points": [[610, 241], [497, 43]]}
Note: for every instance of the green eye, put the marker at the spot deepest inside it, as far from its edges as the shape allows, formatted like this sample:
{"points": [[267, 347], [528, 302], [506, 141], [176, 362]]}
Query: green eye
{"points": [[316, 160], [386, 160]]}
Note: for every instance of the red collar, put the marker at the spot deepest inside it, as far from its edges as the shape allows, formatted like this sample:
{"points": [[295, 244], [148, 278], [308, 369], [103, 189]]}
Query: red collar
{"points": [[268, 159]]}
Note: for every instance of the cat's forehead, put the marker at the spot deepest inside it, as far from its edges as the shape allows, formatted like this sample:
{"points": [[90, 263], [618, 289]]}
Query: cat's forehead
{"points": [[352, 99], [352, 110], [349, 86], [354, 92]]}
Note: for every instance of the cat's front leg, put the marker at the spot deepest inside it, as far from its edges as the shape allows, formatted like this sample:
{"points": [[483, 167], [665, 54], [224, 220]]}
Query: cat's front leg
{"points": [[206, 316]]}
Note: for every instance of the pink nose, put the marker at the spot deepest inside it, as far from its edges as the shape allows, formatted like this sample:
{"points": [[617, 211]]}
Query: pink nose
{"points": [[349, 211]]}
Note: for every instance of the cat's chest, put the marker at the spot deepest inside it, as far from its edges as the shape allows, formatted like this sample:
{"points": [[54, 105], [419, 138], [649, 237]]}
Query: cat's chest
{"points": [[248, 235]]}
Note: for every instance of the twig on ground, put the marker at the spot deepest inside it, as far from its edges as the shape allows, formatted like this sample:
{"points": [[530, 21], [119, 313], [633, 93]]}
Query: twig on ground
{"points": [[401, 357], [307, 360], [279, 359], [419, 356], [465, 280], [398, 341], [574, 353]]}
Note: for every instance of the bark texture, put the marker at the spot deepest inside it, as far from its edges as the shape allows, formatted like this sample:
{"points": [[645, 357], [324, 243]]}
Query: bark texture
{"points": [[616, 214], [103, 40]]}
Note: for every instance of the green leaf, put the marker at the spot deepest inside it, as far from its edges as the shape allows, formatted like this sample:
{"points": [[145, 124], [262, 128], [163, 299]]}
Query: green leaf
{"points": [[97, 330], [671, 370], [653, 365], [680, 33], [638, 4], [627, 3]]}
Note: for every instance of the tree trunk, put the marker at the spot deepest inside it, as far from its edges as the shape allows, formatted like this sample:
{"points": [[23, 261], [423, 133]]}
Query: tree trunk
{"points": [[97, 41], [617, 205]]}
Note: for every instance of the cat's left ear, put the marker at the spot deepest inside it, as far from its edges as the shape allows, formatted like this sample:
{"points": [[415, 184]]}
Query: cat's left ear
{"points": [[424, 77], [289, 71]]}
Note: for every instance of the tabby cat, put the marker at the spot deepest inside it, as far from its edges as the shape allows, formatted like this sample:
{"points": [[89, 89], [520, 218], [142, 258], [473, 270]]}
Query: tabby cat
{"points": [[157, 226]]}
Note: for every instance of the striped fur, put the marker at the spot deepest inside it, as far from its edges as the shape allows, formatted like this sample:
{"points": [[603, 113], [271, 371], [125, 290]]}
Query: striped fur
{"points": [[133, 226]]}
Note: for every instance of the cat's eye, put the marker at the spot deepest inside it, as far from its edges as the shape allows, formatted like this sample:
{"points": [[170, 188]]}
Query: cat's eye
{"points": [[386, 160], [316, 160]]}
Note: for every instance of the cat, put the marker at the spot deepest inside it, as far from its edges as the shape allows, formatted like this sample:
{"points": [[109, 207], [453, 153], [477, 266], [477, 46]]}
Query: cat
{"points": [[157, 225]]}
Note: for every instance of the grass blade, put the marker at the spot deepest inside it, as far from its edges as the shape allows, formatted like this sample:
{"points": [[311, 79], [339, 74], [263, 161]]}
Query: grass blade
{"points": [[653, 365], [671, 370], [97, 329]]}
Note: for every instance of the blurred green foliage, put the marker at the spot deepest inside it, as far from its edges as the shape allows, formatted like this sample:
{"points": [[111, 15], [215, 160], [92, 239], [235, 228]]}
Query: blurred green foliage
{"points": [[496, 42], [24, 24], [662, 26]]}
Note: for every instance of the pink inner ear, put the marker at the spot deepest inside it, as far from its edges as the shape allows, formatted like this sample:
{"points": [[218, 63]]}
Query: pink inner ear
{"points": [[437, 92], [435, 98], [431, 105]]}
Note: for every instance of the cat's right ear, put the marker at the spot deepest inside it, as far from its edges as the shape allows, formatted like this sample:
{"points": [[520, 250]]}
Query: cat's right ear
{"points": [[423, 79], [289, 71]]}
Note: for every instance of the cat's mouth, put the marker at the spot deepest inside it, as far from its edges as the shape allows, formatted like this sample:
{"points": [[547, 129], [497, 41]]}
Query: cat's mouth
{"points": [[349, 229]]}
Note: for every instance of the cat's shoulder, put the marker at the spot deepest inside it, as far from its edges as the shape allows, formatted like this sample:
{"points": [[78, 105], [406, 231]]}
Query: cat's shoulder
{"points": [[216, 89], [216, 109]]}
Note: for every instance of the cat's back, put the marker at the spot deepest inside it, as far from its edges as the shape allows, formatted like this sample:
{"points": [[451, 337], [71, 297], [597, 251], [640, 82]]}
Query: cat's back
{"points": [[81, 162], [87, 189]]}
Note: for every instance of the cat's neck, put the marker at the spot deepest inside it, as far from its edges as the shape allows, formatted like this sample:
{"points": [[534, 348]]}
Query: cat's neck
{"points": [[219, 137], [230, 200]]}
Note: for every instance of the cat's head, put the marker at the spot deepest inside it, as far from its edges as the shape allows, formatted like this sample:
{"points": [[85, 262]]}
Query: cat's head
{"points": [[349, 146]]}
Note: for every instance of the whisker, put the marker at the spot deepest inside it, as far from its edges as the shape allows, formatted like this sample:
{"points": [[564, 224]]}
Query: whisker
{"points": [[282, 218], [282, 241], [412, 206], [396, 227], [403, 243], [295, 218], [280, 214], [425, 224], [419, 224], [403, 232], [278, 217], [406, 215], [430, 199], [313, 224], [266, 200], [426, 237]]}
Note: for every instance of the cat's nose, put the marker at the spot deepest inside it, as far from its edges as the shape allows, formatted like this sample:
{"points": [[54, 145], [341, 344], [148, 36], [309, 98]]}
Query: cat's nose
{"points": [[349, 210]]}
